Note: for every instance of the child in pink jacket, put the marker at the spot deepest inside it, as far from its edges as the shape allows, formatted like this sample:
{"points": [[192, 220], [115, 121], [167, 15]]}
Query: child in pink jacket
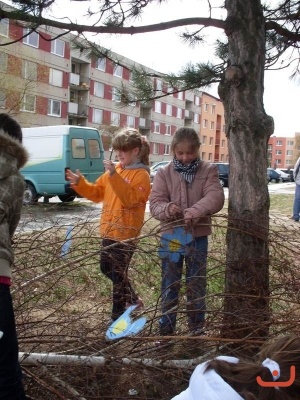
{"points": [[186, 192]]}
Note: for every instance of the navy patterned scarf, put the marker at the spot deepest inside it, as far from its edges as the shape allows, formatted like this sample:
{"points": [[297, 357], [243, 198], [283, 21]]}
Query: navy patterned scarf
{"points": [[188, 171]]}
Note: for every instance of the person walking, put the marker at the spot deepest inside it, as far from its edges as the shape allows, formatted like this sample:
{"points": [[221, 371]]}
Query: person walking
{"points": [[13, 156], [296, 205], [185, 193], [124, 190]]}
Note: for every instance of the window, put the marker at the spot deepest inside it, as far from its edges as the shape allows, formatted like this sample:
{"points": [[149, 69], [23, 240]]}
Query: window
{"points": [[209, 156], [196, 118], [55, 77], [278, 161], [223, 143], [3, 62], [78, 148], [116, 95], [180, 95], [28, 103], [130, 121], [213, 108], [118, 71], [58, 47], [211, 141], [197, 101], [2, 98], [212, 125], [159, 85], [168, 130], [155, 148], [289, 152], [156, 127], [99, 89], [54, 108], [223, 129], [179, 113], [97, 116], [290, 143], [204, 139], [157, 106], [166, 149], [101, 64], [278, 152], [4, 23], [169, 109], [115, 119], [205, 107], [32, 39], [29, 70], [205, 123], [203, 155], [278, 142], [94, 148]]}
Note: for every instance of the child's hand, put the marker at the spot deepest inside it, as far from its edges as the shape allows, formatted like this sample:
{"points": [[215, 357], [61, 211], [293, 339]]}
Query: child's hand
{"points": [[73, 178], [188, 218], [109, 166], [174, 210]]}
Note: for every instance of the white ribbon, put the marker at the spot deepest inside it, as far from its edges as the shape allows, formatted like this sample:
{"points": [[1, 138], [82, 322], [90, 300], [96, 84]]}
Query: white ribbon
{"points": [[273, 366]]}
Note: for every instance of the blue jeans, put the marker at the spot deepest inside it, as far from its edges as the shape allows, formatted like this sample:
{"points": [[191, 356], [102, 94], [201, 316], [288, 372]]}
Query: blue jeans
{"points": [[195, 261], [11, 387], [296, 207]]}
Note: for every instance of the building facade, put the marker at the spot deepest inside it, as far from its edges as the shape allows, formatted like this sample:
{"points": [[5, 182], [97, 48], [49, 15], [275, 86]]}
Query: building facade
{"points": [[45, 80], [283, 152]]}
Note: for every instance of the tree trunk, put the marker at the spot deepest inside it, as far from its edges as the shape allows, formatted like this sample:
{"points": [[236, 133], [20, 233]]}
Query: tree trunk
{"points": [[248, 129]]}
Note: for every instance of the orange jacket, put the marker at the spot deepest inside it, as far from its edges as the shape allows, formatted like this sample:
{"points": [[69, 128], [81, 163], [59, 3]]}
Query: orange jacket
{"points": [[124, 195]]}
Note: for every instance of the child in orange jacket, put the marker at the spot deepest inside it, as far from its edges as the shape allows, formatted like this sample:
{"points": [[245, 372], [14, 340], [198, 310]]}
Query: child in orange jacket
{"points": [[124, 190]]}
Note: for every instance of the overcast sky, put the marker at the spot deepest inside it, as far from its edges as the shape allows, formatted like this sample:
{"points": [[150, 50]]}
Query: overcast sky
{"points": [[165, 52]]}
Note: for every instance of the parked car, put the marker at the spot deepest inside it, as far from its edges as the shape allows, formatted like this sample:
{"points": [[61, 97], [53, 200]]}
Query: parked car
{"points": [[273, 176], [283, 175], [289, 171], [223, 169], [155, 167]]}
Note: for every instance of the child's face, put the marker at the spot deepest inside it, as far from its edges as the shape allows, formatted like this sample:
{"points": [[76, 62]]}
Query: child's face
{"points": [[185, 153], [127, 157]]}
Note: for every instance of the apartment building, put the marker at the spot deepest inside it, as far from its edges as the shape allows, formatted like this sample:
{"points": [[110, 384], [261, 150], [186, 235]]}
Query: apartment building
{"points": [[283, 152], [212, 132], [45, 80]]}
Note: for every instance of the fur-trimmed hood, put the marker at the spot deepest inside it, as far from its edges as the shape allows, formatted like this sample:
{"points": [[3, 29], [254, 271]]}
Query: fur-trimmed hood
{"points": [[13, 154]]}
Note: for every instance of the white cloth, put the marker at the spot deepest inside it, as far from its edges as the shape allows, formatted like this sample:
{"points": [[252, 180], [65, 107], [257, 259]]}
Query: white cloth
{"points": [[272, 366], [209, 385]]}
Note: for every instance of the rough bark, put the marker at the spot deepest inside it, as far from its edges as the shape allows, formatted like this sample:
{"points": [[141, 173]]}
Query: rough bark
{"points": [[248, 128]]}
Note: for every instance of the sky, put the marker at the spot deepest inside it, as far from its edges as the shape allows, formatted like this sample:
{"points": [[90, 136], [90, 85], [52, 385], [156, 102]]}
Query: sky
{"points": [[165, 52]]}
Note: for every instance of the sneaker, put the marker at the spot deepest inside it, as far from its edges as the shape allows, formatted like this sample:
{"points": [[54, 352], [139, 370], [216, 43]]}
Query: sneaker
{"points": [[296, 220]]}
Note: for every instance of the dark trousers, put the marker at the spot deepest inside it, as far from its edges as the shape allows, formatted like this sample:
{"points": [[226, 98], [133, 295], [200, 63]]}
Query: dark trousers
{"points": [[11, 387], [114, 264]]}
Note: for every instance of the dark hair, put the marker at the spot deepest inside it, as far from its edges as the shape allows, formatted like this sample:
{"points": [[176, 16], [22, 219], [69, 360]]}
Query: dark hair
{"points": [[242, 376], [128, 139], [186, 135], [10, 126]]}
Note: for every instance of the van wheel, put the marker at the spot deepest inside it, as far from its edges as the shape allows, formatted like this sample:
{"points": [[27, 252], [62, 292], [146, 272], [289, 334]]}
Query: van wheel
{"points": [[66, 198], [30, 195]]}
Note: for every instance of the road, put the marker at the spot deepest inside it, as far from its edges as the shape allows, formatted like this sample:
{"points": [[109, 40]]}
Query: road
{"points": [[43, 216]]}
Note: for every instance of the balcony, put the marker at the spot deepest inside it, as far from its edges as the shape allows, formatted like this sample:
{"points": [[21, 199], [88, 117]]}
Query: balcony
{"points": [[188, 114], [146, 104], [145, 123], [79, 82], [77, 110]]}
